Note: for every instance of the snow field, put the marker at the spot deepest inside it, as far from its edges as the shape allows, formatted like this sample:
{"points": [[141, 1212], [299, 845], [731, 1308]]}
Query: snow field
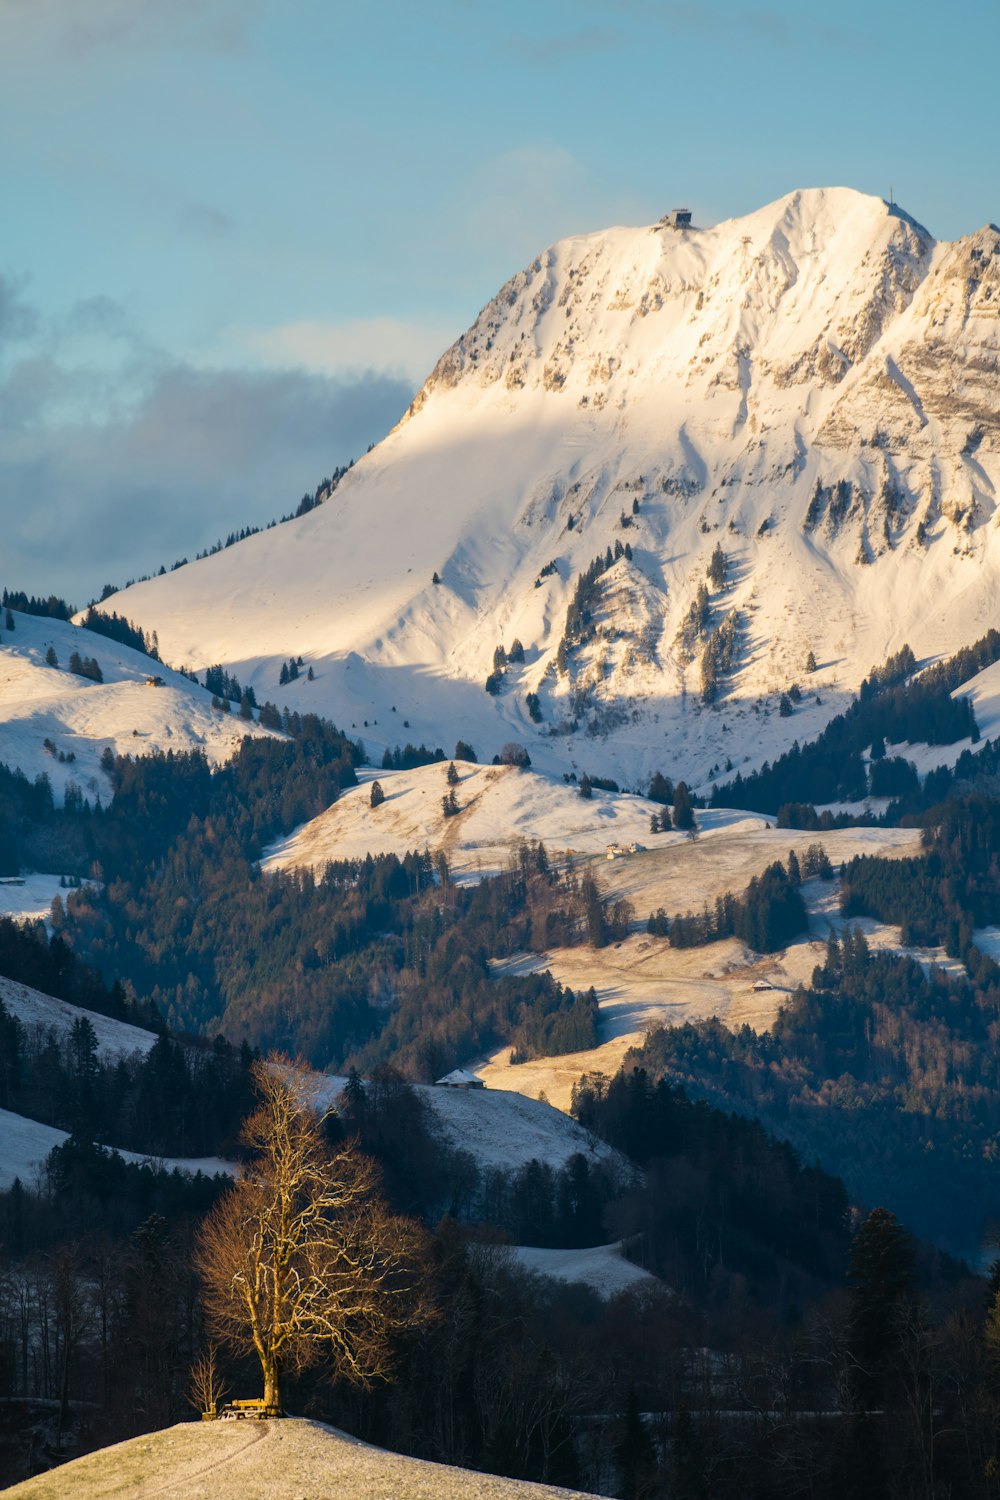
{"points": [[34, 1009]]}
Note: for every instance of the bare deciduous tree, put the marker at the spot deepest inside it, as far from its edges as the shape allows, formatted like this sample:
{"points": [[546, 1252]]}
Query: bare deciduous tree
{"points": [[301, 1261], [206, 1388]]}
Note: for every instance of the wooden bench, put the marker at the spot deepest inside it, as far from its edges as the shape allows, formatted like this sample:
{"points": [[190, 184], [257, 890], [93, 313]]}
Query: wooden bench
{"points": [[254, 1408]]}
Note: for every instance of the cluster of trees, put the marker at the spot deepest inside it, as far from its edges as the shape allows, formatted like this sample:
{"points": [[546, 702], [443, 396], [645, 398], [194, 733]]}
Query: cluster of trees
{"points": [[223, 684], [291, 669], [51, 608], [86, 666], [891, 705], [768, 915], [173, 1100], [885, 1074], [681, 815], [502, 659], [695, 622], [719, 656], [117, 628], [409, 756], [580, 627], [942, 896], [548, 1030]]}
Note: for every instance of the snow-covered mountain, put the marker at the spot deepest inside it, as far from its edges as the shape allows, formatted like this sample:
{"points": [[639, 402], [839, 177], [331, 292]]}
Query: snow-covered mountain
{"points": [[813, 388]]}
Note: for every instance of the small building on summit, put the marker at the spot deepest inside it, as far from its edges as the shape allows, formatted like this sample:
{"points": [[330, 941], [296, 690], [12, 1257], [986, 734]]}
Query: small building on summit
{"points": [[677, 218], [458, 1078]]}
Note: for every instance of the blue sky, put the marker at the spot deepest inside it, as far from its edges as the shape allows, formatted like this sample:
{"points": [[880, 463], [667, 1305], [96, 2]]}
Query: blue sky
{"points": [[237, 233]]}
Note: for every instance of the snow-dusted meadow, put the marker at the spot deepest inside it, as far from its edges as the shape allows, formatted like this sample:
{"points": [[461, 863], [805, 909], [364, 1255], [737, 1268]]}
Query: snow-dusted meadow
{"points": [[288, 1460], [498, 806]]}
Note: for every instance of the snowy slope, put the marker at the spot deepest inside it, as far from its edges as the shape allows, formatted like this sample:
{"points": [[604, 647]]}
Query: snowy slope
{"points": [[82, 718], [812, 386], [24, 1145], [32, 1008], [603, 1268], [498, 805], [501, 1128], [286, 1460]]}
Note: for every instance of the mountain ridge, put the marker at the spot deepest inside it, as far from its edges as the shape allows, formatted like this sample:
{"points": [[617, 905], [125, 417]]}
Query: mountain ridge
{"points": [[808, 387]]}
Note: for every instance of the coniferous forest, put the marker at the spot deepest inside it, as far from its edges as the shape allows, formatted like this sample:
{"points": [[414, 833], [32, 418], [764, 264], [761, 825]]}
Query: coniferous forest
{"points": [[803, 1196]]}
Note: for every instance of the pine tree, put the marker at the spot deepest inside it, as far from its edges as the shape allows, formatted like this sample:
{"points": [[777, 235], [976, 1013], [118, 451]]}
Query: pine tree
{"points": [[435, 579], [51, 659], [452, 774], [683, 814], [586, 788], [811, 662], [516, 652], [377, 795], [661, 789], [283, 676], [718, 567], [635, 1452], [9, 621]]}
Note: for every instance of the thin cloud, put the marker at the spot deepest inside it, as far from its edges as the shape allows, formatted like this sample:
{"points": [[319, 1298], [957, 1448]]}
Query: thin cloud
{"points": [[565, 47], [206, 221], [75, 28], [405, 348]]}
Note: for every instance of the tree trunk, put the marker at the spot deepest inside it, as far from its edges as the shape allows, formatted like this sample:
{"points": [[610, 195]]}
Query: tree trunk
{"points": [[272, 1383]]}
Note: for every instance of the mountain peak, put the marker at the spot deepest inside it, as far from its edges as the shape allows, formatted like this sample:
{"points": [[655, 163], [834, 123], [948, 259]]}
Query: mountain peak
{"points": [[809, 388]]}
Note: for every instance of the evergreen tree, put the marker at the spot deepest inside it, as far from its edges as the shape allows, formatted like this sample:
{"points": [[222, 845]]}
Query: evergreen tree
{"points": [[635, 1453], [452, 774], [586, 788], [718, 567], [882, 1293], [9, 620], [51, 659], [283, 675], [516, 652], [683, 813], [377, 795], [811, 662], [661, 789]]}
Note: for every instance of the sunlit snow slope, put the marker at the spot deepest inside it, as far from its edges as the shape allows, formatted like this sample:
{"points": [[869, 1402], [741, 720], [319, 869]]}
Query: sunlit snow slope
{"points": [[80, 718], [812, 386]]}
